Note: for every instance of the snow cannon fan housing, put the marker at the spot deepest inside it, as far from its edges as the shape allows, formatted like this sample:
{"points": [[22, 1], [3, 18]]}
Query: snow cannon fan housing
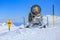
{"points": [[36, 9]]}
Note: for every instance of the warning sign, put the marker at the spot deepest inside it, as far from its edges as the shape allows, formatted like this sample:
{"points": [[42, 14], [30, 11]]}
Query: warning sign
{"points": [[9, 24]]}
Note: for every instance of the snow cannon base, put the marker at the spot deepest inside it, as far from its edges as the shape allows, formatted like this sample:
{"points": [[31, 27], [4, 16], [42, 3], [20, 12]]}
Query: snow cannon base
{"points": [[36, 26]]}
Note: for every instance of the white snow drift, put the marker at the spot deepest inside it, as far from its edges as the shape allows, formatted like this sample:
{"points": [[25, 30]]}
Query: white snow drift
{"points": [[49, 33]]}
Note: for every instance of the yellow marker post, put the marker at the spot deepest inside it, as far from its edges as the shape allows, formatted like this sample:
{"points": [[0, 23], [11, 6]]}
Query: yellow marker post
{"points": [[53, 15], [9, 24], [53, 20]]}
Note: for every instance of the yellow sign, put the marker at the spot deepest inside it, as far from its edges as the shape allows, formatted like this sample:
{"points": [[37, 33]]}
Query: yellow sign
{"points": [[9, 24]]}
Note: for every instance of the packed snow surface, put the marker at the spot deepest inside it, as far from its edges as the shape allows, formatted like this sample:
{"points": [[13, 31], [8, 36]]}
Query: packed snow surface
{"points": [[49, 33]]}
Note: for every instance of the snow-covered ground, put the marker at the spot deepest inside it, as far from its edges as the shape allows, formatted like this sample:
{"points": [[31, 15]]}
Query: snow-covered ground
{"points": [[49, 33]]}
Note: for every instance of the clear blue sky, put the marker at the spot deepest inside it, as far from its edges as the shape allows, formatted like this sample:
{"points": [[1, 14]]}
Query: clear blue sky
{"points": [[10, 9]]}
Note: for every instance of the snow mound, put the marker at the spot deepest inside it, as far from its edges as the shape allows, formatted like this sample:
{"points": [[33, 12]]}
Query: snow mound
{"points": [[50, 20]]}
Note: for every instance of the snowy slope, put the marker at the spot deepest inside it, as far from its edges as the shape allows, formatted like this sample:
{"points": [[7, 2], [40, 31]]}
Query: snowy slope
{"points": [[49, 33], [32, 34], [4, 28], [50, 22]]}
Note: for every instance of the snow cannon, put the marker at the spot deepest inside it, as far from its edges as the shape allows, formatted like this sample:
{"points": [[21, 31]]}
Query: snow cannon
{"points": [[35, 17]]}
